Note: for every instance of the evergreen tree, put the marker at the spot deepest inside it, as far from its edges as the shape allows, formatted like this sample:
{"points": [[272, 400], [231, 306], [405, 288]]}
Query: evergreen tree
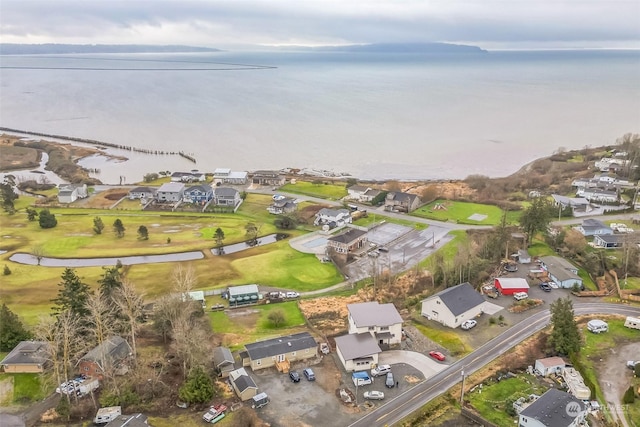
{"points": [[218, 235], [143, 233], [536, 217], [6, 270], [47, 219], [12, 331], [198, 388], [629, 396], [32, 214], [110, 281], [7, 196], [118, 228], [72, 295], [565, 337], [98, 225]]}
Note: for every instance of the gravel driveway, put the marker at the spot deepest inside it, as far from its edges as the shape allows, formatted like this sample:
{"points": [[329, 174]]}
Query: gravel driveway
{"points": [[615, 377]]}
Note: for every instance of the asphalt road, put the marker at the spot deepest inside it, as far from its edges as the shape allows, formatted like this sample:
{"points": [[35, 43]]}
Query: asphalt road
{"points": [[410, 401]]}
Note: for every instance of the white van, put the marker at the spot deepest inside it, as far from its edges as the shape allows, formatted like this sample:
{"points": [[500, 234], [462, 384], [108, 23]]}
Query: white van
{"points": [[519, 296], [597, 326]]}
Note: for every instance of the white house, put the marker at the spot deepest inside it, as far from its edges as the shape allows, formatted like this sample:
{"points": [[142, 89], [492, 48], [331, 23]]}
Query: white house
{"points": [[357, 352], [69, 193], [227, 176], [454, 305], [147, 193], [549, 365], [170, 192], [554, 408], [193, 176], [597, 195], [355, 192], [382, 321], [593, 227], [333, 217]]}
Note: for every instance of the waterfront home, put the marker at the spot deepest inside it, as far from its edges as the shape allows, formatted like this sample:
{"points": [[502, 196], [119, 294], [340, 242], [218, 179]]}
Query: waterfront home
{"points": [[198, 194], [229, 177], [69, 193], [146, 193], [226, 196], [193, 176], [355, 192], [264, 177], [403, 202], [170, 192]]}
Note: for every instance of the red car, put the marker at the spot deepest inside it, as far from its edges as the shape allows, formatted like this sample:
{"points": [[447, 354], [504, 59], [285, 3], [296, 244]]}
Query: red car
{"points": [[437, 355]]}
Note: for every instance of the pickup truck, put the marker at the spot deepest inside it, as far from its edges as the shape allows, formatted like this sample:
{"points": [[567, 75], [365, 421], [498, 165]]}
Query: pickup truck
{"points": [[214, 414]]}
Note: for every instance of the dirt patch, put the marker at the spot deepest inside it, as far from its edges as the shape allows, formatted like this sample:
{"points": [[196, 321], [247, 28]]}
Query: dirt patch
{"points": [[443, 189]]}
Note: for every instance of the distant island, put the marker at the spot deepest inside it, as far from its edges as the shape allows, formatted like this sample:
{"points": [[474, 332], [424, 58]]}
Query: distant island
{"points": [[54, 48], [422, 48]]}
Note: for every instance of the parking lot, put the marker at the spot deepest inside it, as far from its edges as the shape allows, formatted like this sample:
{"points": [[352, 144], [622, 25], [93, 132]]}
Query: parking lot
{"points": [[317, 403]]}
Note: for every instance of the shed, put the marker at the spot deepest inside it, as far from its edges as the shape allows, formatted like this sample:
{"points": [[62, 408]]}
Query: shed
{"points": [[223, 361], [241, 295], [243, 384], [632, 322], [511, 285], [549, 365]]}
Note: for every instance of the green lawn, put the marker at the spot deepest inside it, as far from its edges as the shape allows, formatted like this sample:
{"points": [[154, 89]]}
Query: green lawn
{"points": [[631, 283], [448, 339], [491, 402], [449, 250], [324, 191], [26, 387], [460, 212]]}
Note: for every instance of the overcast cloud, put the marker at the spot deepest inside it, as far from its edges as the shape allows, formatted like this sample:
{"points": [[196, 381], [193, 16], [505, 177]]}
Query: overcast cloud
{"points": [[225, 23]]}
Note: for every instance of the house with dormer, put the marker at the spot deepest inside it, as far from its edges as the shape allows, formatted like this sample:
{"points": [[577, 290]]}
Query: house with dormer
{"points": [[382, 321]]}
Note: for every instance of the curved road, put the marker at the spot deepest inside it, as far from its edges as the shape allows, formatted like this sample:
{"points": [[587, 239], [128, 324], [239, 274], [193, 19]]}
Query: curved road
{"points": [[413, 399]]}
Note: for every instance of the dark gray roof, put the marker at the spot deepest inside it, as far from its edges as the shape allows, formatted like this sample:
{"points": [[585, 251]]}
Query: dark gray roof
{"points": [[203, 188], [225, 192], [135, 420], [610, 238], [143, 190], [373, 314], [403, 197], [348, 236], [222, 356], [27, 353], [593, 223], [551, 408], [115, 347], [244, 382], [355, 346], [459, 298], [270, 174], [282, 345]]}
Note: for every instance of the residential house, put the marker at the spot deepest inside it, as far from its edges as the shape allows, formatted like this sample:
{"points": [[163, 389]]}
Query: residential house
{"points": [[69, 193], [198, 194], [382, 321], [283, 205], [355, 192], [243, 384], [193, 176], [348, 241], [333, 217], [609, 241], [357, 352], [223, 361], [561, 271], [578, 205], [170, 192], [597, 195], [555, 408], [226, 196], [146, 193], [111, 354], [26, 357], [280, 352], [229, 177], [369, 195], [549, 366], [510, 285], [135, 420], [611, 164], [454, 305], [404, 202], [264, 177], [243, 294], [593, 227]]}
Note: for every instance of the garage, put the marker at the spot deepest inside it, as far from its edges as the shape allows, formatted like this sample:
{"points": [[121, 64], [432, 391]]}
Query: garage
{"points": [[511, 285]]}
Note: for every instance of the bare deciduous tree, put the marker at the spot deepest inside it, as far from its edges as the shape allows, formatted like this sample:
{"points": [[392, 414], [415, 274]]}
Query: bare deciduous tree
{"points": [[131, 307]]}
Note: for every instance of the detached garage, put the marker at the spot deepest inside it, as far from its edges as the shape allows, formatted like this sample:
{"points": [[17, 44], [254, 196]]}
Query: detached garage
{"points": [[509, 286]]}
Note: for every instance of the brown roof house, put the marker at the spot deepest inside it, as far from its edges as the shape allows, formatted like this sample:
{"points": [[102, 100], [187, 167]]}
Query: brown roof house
{"points": [[112, 354], [26, 357], [348, 241], [382, 321], [243, 384], [357, 352], [223, 361], [279, 352]]}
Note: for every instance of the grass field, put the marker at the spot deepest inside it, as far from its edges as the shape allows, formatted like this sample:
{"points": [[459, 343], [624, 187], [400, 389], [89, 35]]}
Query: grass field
{"points": [[460, 212], [324, 191], [26, 387], [446, 338]]}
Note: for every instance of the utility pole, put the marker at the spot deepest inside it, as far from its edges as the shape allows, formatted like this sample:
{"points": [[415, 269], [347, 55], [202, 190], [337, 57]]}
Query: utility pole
{"points": [[462, 391]]}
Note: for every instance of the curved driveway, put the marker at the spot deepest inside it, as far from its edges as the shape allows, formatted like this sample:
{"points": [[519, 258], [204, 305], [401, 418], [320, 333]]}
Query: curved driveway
{"points": [[424, 364], [413, 399]]}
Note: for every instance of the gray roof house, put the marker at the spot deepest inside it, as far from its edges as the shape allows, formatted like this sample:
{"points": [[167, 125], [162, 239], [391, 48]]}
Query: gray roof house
{"points": [[142, 193], [112, 353], [223, 361], [170, 192], [27, 356], [382, 321], [593, 227], [226, 196], [280, 351], [397, 200], [357, 352], [333, 217], [561, 271], [555, 408], [454, 305], [282, 206]]}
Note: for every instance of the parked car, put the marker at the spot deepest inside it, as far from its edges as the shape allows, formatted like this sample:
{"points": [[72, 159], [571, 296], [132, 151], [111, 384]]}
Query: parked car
{"points": [[292, 295], [437, 355], [374, 395], [380, 370], [632, 364], [295, 376], [519, 296], [553, 285], [545, 287], [324, 348], [390, 382], [468, 324], [308, 373]]}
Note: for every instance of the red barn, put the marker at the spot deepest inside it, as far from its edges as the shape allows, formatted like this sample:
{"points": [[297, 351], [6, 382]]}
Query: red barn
{"points": [[509, 286]]}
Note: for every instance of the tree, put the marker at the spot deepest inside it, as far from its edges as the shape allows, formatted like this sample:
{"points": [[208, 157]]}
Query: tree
{"points": [[38, 252], [143, 233], [32, 214], [110, 281], [198, 388], [6, 270], [131, 306], [629, 396], [276, 317], [72, 295], [7, 196], [98, 225], [379, 198], [252, 231], [285, 222], [218, 235], [12, 330], [118, 228], [565, 337], [47, 219], [536, 217], [150, 177]]}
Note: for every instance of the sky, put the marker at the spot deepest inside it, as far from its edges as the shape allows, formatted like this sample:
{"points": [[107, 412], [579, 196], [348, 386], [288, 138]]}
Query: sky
{"points": [[491, 24]]}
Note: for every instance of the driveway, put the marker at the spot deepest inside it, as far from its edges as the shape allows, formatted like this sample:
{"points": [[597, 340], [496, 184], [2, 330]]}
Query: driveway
{"points": [[424, 364]]}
